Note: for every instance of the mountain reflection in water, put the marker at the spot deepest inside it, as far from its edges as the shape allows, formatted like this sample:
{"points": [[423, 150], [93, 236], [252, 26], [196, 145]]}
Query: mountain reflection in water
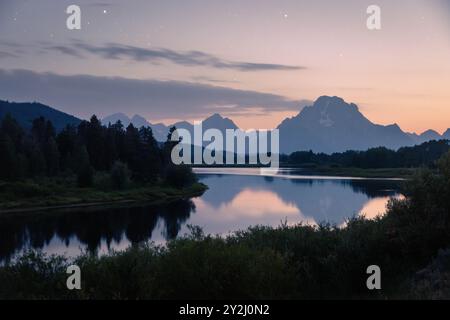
{"points": [[232, 202]]}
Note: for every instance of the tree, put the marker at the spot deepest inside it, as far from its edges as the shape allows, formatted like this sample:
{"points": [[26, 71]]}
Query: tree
{"points": [[84, 149], [85, 172], [180, 176], [8, 159], [85, 177], [12, 161], [67, 141], [51, 154], [150, 154], [92, 135], [120, 175], [42, 130], [10, 128], [37, 163]]}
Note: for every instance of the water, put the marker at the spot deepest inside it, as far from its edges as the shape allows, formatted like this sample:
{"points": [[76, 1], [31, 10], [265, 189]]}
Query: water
{"points": [[236, 199]]}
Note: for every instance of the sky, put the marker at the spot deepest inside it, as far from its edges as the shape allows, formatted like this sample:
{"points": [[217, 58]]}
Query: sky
{"points": [[255, 61]]}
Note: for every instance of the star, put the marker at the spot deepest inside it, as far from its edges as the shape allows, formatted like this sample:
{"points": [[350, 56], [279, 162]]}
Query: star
{"points": [[105, 11], [285, 15]]}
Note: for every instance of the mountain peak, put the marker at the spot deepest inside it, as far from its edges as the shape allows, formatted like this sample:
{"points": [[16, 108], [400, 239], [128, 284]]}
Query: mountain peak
{"points": [[446, 134], [328, 99], [216, 117], [333, 125], [219, 122], [138, 117], [430, 135], [326, 102], [393, 126], [430, 131], [139, 121], [119, 114], [124, 119]]}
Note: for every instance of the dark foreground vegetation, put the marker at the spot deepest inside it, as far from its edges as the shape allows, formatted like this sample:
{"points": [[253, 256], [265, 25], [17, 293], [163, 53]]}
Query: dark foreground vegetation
{"points": [[408, 243], [85, 163]]}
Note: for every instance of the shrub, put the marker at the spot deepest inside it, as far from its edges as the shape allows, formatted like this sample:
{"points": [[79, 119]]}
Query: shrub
{"points": [[85, 176], [120, 175]]}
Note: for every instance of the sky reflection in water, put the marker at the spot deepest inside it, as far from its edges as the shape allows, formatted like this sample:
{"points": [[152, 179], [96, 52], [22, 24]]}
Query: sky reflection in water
{"points": [[234, 201]]}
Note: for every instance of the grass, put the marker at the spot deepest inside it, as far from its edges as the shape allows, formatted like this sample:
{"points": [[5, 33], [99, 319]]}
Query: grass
{"points": [[404, 173], [313, 169], [57, 192]]}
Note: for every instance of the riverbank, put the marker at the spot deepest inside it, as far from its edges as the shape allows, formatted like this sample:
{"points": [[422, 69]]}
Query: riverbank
{"points": [[49, 194], [382, 173], [403, 173]]}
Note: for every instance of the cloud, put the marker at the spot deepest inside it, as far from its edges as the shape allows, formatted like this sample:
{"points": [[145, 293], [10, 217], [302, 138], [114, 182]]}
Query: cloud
{"points": [[212, 80], [64, 50], [156, 55], [115, 51], [4, 55], [190, 58], [83, 95]]}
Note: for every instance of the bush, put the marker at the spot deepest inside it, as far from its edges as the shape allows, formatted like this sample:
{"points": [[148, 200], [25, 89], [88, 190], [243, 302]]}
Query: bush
{"points": [[85, 177], [120, 175], [25, 189], [207, 268]]}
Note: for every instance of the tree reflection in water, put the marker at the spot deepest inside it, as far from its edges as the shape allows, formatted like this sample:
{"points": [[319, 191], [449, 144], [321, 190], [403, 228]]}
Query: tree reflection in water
{"points": [[91, 226]]}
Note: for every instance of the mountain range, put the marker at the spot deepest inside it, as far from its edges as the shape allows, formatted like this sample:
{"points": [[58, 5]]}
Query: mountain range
{"points": [[160, 131], [329, 125], [333, 125]]}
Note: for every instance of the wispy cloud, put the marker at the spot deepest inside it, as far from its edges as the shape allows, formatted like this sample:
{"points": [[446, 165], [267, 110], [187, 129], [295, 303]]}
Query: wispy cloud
{"points": [[4, 54], [116, 51], [185, 58], [212, 80], [64, 50]]}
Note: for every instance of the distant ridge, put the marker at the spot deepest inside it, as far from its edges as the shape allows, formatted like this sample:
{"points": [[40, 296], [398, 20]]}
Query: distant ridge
{"points": [[426, 136], [26, 112], [160, 131], [329, 125]]}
